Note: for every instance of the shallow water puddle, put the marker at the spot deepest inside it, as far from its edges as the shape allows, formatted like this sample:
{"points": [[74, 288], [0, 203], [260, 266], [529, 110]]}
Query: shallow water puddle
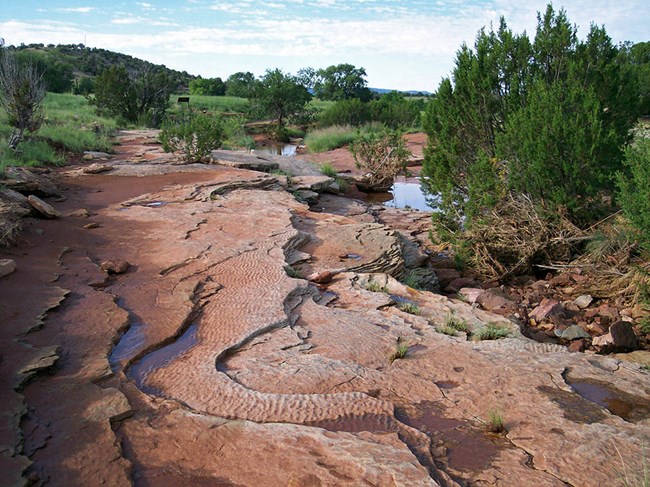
{"points": [[277, 149], [130, 342], [626, 406], [404, 195], [161, 357], [468, 448]]}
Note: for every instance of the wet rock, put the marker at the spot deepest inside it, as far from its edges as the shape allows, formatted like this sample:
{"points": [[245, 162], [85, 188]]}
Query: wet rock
{"points": [[307, 196], [583, 301], [42, 207], [7, 266], [545, 309], [116, 266], [620, 338], [97, 168], [574, 332]]}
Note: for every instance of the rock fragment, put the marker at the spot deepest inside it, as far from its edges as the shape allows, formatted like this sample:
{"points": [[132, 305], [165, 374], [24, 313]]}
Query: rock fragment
{"points": [[42, 207], [7, 266], [97, 168], [116, 266]]}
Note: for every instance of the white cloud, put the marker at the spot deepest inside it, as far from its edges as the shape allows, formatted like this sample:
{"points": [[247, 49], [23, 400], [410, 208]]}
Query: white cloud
{"points": [[81, 10]]}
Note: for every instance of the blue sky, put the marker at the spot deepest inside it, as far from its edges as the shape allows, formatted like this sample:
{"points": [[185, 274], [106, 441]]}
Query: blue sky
{"points": [[402, 44]]}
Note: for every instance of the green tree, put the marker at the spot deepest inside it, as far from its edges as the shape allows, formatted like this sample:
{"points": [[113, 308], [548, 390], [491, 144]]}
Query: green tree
{"points": [[341, 82], [144, 98], [545, 119], [634, 189], [22, 92], [207, 86], [240, 84], [279, 95]]}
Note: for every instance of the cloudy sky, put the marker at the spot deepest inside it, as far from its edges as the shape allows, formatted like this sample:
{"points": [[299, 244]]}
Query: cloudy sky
{"points": [[402, 44]]}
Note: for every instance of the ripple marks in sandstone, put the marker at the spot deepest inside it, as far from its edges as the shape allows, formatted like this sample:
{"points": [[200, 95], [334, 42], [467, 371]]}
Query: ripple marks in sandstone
{"points": [[252, 301]]}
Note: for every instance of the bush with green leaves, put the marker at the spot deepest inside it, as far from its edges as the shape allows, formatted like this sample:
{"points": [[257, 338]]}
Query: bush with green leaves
{"points": [[195, 135], [546, 119], [634, 185]]}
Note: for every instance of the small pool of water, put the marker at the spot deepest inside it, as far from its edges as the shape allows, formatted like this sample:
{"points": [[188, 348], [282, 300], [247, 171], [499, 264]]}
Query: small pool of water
{"points": [[277, 149], [403, 194]]}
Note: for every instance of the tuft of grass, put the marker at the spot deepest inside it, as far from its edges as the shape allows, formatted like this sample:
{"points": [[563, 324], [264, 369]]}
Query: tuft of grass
{"points": [[455, 323], [401, 349], [375, 287], [492, 331], [281, 172], [447, 330], [495, 422], [292, 272], [410, 308], [328, 170], [323, 140]]}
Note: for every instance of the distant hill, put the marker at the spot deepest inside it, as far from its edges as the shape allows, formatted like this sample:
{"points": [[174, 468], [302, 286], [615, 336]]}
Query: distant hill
{"points": [[89, 61], [383, 91]]}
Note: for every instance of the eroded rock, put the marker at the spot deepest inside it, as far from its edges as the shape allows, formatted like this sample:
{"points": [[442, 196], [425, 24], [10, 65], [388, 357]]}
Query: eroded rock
{"points": [[45, 209]]}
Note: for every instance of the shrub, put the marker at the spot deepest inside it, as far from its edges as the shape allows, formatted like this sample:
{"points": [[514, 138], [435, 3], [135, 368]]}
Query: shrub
{"points": [[195, 135], [634, 189], [352, 112], [381, 156]]}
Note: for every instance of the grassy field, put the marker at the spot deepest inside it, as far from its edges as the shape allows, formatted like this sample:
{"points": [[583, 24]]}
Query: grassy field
{"points": [[70, 125], [213, 104]]}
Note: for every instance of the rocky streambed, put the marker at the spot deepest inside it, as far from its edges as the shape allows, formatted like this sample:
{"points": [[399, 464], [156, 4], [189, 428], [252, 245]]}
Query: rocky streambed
{"points": [[204, 325]]}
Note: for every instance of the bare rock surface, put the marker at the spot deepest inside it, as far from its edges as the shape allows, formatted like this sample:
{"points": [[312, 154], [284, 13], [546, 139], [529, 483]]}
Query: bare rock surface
{"points": [[209, 363]]}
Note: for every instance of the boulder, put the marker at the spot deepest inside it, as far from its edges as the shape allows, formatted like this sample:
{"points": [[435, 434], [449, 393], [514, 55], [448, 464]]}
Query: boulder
{"points": [[496, 301], [7, 266], [574, 332], [311, 183], [620, 338], [470, 294], [306, 196], [42, 207]]}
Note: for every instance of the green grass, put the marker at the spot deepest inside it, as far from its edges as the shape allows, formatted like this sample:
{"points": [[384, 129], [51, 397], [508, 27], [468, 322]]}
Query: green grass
{"points": [[330, 138], [410, 308], [492, 331], [235, 134], [412, 280], [328, 170], [455, 323], [70, 125], [447, 330], [644, 325], [495, 422], [375, 287], [401, 349]]}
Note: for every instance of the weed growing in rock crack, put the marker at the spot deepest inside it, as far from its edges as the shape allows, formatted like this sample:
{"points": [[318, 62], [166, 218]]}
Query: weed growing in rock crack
{"points": [[291, 272], [447, 330], [410, 308], [495, 422], [455, 323], [644, 325], [375, 287], [492, 331], [328, 170], [401, 350]]}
